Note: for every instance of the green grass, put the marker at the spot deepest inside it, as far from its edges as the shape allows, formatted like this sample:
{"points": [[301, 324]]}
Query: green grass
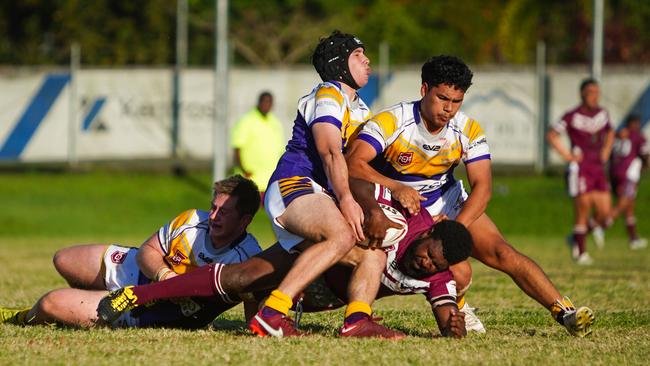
{"points": [[43, 212]]}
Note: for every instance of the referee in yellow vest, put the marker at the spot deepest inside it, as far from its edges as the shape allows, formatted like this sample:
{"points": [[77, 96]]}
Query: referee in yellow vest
{"points": [[258, 142]]}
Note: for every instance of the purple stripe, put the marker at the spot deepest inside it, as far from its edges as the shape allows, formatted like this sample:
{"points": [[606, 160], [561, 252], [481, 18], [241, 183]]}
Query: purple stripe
{"points": [[328, 119], [482, 157], [416, 111], [372, 141]]}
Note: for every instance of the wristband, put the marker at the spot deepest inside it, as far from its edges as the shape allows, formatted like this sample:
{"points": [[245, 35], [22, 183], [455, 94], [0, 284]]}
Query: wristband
{"points": [[162, 274]]}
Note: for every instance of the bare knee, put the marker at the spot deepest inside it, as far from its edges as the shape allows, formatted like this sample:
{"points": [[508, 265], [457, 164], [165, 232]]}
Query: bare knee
{"points": [[501, 256], [48, 306], [64, 265], [342, 241], [462, 272]]}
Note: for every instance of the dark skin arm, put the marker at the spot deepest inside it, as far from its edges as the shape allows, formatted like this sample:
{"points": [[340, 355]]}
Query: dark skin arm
{"points": [[376, 223], [451, 321]]}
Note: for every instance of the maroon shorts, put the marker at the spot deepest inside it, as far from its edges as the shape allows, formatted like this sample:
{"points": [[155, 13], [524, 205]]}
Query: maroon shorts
{"points": [[586, 177], [623, 187]]}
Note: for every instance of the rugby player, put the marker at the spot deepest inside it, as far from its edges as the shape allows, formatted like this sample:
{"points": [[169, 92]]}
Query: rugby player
{"points": [[412, 148], [310, 183], [591, 135], [629, 155], [417, 264], [192, 239]]}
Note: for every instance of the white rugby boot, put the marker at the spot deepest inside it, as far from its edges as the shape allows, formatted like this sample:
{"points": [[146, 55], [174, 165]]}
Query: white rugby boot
{"points": [[472, 322]]}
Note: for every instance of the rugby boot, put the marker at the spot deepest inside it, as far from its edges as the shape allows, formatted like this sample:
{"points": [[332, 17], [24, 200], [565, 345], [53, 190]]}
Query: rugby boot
{"points": [[276, 325], [14, 316], [577, 322], [116, 303], [598, 234], [472, 322], [584, 259], [639, 243], [369, 328]]}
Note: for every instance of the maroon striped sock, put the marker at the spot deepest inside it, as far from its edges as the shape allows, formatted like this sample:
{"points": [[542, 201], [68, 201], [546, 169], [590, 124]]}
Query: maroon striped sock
{"points": [[197, 283]]}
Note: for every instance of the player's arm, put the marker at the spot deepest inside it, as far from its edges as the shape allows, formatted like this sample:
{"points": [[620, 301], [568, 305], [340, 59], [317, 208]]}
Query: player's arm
{"points": [[607, 146], [327, 138], [479, 175], [451, 321], [150, 259], [358, 156], [376, 223], [553, 138], [238, 163]]}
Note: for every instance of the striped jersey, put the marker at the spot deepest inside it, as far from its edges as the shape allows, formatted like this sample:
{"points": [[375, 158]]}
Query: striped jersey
{"points": [[327, 103], [187, 245], [407, 152]]}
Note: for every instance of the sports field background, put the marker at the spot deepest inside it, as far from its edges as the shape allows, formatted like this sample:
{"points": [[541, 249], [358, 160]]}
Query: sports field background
{"points": [[42, 212]]}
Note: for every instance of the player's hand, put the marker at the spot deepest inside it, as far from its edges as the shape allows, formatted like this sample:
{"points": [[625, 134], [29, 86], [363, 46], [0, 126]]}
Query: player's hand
{"points": [[457, 324], [375, 226], [408, 197], [575, 157], [353, 214], [438, 218]]}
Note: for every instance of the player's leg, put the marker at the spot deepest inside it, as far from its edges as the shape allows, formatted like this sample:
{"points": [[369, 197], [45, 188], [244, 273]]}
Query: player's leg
{"points": [[365, 279], [81, 265], [582, 205], [636, 242], [491, 248], [462, 272], [316, 218], [223, 282], [68, 306]]}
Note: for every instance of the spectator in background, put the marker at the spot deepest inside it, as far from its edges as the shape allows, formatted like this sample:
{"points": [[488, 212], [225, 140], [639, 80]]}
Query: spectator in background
{"points": [[629, 154], [591, 136], [258, 142]]}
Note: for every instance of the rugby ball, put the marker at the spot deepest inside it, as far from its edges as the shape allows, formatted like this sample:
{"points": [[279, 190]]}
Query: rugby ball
{"points": [[393, 236]]}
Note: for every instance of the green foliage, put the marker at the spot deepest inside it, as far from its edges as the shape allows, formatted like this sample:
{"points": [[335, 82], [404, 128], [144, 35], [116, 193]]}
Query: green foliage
{"points": [[280, 32]]}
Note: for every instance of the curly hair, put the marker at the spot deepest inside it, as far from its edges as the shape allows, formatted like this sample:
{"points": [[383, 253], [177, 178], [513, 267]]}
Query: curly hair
{"points": [[448, 70], [456, 240], [246, 191]]}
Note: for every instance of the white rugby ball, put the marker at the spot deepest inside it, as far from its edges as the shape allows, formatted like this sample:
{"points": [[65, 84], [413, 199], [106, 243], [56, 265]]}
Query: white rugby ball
{"points": [[393, 236]]}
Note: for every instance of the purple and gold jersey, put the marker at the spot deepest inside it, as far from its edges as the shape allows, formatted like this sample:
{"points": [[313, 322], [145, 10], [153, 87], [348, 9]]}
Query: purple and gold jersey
{"points": [[187, 245], [327, 103], [407, 152], [587, 130]]}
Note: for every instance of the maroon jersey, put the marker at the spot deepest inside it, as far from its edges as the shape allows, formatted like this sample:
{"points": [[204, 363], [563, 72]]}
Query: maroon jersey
{"points": [[587, 130], [439, 288], [626, 154]]}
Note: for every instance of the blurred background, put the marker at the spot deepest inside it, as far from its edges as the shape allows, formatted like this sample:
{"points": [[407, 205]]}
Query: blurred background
{"points": [[122, 81]]}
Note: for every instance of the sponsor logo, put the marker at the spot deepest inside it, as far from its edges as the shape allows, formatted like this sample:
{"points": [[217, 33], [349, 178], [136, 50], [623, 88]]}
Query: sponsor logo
{"points": [[205, 258], [405, 158], [431, 147], [118, 257], [177, 258], [476, 143], [269, 329]]}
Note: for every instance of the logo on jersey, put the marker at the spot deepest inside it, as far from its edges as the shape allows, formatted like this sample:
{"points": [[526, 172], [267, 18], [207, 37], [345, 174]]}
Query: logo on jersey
{"points": [[177, 258], [405, 158], [205, 258], [118, 257], [431, 147]]}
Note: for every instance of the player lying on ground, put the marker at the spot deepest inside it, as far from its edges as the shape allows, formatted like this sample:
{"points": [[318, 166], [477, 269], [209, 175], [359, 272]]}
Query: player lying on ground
{"points": [[192, 239], [413, 148], [417, 264]]}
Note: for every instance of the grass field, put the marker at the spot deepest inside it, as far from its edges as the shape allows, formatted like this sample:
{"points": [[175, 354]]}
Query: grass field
{"points": [[43, 212]]}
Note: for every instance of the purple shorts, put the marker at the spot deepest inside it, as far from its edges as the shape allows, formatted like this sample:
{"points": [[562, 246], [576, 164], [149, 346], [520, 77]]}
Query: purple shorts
{"points": [[624, 187]]}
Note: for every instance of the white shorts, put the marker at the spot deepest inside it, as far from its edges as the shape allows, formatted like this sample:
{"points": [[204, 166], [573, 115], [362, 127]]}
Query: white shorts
{"points": [[279, 195], [451, 201], [121, 270]]}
